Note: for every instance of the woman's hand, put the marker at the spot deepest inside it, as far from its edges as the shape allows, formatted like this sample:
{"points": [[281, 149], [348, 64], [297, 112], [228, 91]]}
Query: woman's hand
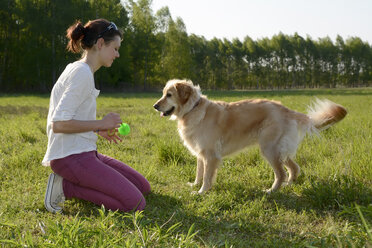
{"points": [[110, 135], [110, 121]]}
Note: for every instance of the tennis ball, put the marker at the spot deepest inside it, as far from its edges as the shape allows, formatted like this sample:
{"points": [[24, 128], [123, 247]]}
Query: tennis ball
{"points": [[124, 129]]}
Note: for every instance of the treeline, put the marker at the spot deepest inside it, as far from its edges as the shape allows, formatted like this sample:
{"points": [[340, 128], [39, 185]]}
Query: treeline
{"points": [[156, 47]]}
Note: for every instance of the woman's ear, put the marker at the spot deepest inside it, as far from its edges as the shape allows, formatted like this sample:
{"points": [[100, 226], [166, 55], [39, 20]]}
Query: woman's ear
{"points": [[100, 42]]}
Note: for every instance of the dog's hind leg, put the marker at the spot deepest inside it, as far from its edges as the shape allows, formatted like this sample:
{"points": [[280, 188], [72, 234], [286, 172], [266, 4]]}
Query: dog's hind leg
{"points": [[270, 150], [293, 169], [211, 163], [280, 175], [199, 173]]}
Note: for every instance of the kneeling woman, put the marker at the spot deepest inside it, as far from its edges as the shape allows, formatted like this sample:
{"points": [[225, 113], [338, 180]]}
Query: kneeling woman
{"points": [[79, 170]]}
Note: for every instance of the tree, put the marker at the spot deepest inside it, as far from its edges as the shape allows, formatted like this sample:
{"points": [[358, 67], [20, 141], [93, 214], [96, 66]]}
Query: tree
{"points": [[359, 55], [142, 31], [176, 58], [156, 48], [199, 54]]}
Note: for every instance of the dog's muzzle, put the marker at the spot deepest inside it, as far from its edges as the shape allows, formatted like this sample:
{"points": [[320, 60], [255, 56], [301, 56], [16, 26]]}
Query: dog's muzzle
{"points": [[169, 112], [166, 113]]}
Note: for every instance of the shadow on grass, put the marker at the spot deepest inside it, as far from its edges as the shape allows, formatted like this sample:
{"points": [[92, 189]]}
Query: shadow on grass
{"points": [[335, 195], [214, 230], [217, 230]]}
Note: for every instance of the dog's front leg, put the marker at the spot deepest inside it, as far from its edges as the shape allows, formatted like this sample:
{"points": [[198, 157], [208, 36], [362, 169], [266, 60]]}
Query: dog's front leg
{"points": [[199, 172], [211, 163]]}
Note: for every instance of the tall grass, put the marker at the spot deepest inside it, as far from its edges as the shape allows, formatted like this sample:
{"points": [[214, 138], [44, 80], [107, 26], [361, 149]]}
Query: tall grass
{"points": [[329, 206]]}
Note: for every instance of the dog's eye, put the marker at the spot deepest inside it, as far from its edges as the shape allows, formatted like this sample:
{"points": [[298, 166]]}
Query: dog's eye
{"points": [[169, 95]]}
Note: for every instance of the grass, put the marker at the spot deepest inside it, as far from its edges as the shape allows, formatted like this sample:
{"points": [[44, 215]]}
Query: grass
{"points": [[329, 206]]}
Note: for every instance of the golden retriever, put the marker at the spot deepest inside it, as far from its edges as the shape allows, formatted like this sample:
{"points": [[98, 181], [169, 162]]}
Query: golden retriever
{"points": [[212, 130]]}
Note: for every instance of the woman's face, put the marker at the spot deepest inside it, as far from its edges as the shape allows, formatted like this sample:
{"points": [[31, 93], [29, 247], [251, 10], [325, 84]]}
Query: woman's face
{"points": [[110, 51]]}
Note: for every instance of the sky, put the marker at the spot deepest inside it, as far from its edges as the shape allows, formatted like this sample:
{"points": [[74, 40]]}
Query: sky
{"points": [[265, 18]]}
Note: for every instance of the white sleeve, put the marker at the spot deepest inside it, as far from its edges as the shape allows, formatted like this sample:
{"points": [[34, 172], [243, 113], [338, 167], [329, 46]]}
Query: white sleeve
{"points": [[78, 88]]}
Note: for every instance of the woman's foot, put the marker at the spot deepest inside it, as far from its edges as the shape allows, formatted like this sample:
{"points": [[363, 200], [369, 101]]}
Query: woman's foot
{"points": [[54, 194]]}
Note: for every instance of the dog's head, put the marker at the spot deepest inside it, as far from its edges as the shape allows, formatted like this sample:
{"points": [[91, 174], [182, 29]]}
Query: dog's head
{"points": [[179, 97]]}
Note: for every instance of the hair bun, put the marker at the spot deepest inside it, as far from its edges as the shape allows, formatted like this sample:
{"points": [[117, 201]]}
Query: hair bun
{"points": [[78, 32], [82, 37]]}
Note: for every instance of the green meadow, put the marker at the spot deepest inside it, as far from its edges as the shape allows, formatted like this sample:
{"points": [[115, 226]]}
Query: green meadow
{"points": [[329, 206]]}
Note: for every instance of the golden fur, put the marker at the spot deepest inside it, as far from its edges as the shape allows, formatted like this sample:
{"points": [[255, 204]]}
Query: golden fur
{"points": [[212, 130]]}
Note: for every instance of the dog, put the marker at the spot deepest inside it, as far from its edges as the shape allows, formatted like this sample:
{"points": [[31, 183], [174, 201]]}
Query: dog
{"points": [[212, 130]]}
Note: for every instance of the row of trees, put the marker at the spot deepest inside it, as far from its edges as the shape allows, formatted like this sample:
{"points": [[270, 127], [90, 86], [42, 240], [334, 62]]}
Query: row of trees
{"points": [[156, 48]]}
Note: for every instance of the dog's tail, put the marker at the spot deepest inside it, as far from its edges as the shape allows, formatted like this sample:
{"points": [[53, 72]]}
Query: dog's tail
{"points": [[321, 115], [325, 113]]}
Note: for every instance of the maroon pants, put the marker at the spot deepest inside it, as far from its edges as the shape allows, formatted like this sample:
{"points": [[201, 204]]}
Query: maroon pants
{"points": [[102, 180]]}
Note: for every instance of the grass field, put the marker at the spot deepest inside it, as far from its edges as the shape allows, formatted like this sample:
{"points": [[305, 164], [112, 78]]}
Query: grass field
{"points": [[329, 206]]}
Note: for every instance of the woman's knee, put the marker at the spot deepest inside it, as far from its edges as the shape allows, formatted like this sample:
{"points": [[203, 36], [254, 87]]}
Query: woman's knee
{"points": [[136, 204], [146, 187]]}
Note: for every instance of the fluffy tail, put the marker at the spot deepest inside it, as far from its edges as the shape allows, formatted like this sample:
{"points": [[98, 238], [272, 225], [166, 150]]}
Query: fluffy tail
{"points": [[324, 113]]}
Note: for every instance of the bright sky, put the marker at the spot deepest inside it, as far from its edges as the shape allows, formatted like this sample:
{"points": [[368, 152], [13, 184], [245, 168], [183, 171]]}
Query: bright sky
{"points": [[265, 18]]}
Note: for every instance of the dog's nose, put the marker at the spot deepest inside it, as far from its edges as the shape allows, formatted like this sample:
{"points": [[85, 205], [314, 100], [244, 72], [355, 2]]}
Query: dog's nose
{"points": [[156, 106]]}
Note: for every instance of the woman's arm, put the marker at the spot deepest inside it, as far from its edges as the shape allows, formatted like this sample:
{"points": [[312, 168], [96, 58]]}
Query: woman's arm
{"points": [[110, 121], [75, 126]]}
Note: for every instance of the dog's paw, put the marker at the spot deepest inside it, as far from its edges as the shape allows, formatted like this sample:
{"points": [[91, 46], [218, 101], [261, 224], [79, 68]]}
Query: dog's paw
{"points": [[268, 191], [191, 184], [288, 183], [200, 192]]}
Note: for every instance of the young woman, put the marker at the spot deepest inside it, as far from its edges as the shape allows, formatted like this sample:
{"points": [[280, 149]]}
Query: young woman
{"points": [[72, 129]]}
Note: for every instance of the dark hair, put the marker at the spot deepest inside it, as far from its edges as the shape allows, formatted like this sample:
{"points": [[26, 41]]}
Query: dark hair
{"points": [[84, 37]]}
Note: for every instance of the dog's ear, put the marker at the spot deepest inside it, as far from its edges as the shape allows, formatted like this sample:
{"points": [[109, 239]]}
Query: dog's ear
{"points": [[184, 92]]}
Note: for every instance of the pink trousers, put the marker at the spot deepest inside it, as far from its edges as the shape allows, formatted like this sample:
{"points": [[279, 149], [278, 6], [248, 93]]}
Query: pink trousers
{"points": [[102, 180]]}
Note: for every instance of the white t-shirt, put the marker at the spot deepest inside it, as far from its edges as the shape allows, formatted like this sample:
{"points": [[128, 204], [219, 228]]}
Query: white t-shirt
{"points": [[73, 97]]}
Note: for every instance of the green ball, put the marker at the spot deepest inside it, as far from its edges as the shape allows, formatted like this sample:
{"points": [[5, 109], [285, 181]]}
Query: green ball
{"points": [[124, 129]]}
